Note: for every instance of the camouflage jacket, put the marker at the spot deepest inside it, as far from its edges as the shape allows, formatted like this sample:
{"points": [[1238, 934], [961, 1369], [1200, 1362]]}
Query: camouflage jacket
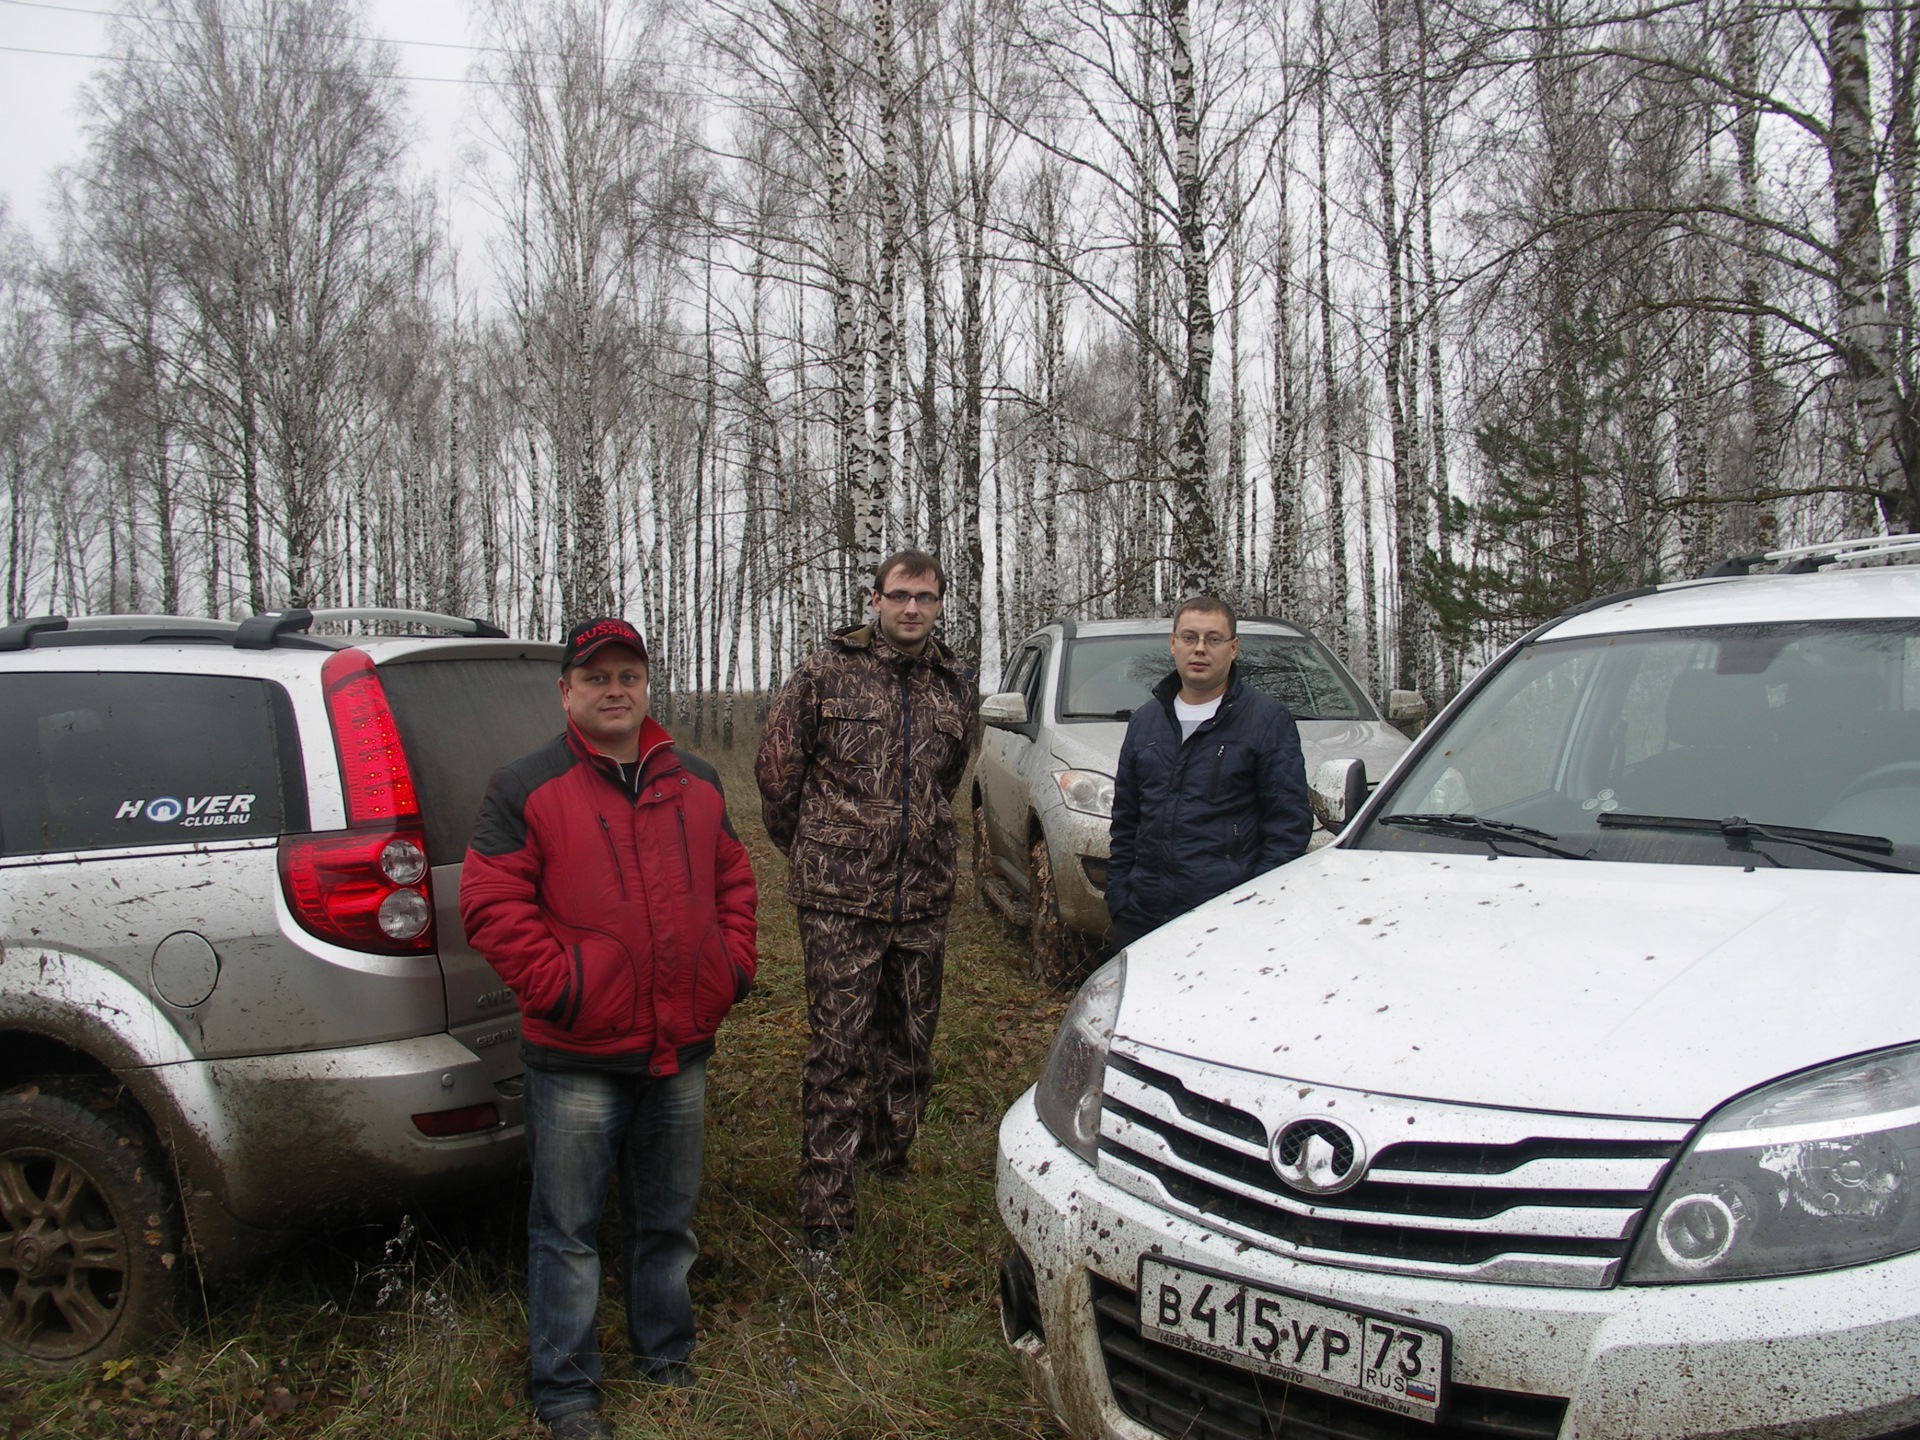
{"points": [[862, 753]]}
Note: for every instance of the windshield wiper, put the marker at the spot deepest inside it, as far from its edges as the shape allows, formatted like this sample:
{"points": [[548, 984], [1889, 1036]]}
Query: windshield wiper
{"points": [[1838, 843], [1478, 827]]}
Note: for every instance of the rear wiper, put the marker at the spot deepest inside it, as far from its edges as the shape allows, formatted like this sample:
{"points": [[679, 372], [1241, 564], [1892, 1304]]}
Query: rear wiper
{"points": [[1478, 827], [1838, 843]]}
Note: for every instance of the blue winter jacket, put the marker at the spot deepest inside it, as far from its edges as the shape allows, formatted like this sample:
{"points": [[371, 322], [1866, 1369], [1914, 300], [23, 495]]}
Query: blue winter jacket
{"points": [[1193, 820]]}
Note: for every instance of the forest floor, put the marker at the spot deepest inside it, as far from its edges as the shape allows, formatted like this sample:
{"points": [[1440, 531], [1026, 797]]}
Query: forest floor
{"points": [[416, 1329]]}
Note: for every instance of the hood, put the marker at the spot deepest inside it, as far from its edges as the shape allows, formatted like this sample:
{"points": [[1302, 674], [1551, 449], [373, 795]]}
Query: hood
{"points": [[1373, 741], [1088, 744], [1651, 991], [1095, 744]]}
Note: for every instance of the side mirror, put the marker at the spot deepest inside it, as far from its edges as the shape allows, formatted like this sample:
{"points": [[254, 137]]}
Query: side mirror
{"points": [[1005, 711], [1406, 707], [1337, 790]]}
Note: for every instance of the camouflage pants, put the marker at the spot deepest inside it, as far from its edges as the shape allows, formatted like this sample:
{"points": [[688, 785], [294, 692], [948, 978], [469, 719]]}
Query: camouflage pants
{"points": [[873, 1000]]}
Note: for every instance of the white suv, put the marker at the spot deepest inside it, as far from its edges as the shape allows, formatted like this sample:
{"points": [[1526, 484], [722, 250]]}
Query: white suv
{"points": [[1574, 1091]]}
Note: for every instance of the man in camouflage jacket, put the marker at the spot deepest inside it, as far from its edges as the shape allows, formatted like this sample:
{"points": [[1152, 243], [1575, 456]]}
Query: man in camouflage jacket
{"points": [[862, 753]]}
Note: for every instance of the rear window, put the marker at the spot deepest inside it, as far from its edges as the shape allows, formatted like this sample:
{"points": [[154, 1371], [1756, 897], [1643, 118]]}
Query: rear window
{"points": [[101, 760], [461, 720]]}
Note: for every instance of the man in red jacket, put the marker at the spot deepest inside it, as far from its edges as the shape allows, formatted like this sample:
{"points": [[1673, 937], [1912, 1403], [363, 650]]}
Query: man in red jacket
{"points": [[607, 887]]}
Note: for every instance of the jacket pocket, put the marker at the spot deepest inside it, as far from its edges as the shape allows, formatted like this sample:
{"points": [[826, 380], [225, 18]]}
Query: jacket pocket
{"points": [[717, 983], [834, 860], [601, 1000], [855, 732]]}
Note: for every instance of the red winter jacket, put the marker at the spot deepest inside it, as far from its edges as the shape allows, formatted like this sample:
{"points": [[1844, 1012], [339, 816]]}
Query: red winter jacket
{"points": [[623, 922]]}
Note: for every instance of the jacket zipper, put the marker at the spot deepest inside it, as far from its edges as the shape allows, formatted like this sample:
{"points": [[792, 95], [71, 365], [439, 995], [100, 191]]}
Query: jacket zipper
{"points": [[686, 849], [614, 855], [906, 792], [1213, 785]]}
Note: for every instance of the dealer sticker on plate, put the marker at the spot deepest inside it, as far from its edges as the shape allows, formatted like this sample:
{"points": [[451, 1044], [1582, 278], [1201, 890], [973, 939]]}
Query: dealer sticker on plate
{"points": [[1380, 1360]]}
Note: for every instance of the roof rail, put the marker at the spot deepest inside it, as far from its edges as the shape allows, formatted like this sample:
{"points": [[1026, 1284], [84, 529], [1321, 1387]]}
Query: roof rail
{"points": [[458, 624], [1806, 559], [259, 632], [1846, 552], [19, 635]]}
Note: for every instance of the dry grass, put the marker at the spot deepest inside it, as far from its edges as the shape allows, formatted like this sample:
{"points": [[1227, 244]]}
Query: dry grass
{"points": [[418, 1332]]}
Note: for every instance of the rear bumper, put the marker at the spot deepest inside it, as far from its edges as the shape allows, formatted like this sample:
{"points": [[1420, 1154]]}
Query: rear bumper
{"points": [[1817, 1357], [286, 1140]]}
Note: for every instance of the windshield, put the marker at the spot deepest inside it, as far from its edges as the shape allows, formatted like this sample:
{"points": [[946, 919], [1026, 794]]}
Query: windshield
{"points": [[1809, 727], [1107, 677]]}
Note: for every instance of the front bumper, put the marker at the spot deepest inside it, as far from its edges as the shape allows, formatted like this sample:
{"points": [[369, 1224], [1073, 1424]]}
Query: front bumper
{"points": [[1072, 840], [1834, 1356]]}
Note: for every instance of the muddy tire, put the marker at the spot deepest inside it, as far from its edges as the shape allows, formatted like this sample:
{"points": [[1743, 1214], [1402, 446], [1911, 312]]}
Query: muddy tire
{"points": [[1058, 956], [90, 1256]]}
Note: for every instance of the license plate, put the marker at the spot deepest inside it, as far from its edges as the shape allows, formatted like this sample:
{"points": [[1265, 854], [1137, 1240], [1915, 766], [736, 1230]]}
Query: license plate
{"points": [[1381, 1360]]}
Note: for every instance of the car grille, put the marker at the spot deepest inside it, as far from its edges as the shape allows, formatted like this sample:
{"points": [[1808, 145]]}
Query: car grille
{"points": [[1174, 1393], [1503, 1196]]}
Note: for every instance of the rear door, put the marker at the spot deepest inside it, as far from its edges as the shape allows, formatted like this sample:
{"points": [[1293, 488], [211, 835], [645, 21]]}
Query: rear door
{"points": [[461, 716]]}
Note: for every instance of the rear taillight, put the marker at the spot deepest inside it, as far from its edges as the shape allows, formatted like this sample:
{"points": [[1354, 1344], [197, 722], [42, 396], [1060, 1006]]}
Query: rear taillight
{"points": [[368, 886], [373, 763], [467, 1120], [369, 889]]}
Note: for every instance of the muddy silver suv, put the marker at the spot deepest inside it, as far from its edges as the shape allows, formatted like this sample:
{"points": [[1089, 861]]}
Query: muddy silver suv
{"points": [[235, 996], [1050, 747]]}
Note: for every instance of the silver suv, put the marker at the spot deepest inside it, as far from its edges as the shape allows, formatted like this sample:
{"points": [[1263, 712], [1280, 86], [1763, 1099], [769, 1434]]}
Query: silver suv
{"points": [[1043, 787], [235, 996]]}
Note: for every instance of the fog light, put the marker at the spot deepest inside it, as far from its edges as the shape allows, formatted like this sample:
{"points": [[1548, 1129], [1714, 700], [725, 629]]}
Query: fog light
{"points": [[1696, 1231], [404, 914], [1019, 1299]]}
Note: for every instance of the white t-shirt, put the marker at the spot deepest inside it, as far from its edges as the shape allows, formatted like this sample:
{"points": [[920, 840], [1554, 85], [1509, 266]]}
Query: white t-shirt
{"points": [[1192, 716]]}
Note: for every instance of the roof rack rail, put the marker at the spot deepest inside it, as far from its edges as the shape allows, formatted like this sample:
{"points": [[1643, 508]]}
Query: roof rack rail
{"points": [[1806, 559], [19, 635], [154, 624], [259, 632], [1846, 552], [458, 624]]}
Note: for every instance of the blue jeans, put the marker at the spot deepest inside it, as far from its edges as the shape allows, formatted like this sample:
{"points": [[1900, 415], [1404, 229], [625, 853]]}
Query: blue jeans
{"points": [[581, 1126]]}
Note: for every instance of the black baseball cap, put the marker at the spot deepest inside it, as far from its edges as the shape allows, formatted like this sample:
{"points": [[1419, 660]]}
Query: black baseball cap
{"points": [[589, 635]]}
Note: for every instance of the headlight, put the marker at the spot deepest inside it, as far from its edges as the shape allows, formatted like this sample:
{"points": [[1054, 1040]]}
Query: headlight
{"points": [[1068, 1095], [1087, 791], [1810, 1173]]}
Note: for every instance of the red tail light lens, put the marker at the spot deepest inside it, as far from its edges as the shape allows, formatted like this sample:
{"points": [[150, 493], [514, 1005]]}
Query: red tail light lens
{"points": [[369, 889], [373, 763], [467, 1120]]}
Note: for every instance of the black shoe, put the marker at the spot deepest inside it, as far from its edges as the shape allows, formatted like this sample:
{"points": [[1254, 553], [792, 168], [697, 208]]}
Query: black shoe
{"points": [[580, 1425]]}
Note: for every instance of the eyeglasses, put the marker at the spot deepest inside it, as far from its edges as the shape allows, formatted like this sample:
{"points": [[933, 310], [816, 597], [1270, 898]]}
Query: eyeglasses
{"points": [[1193, 640], [922, 598]]}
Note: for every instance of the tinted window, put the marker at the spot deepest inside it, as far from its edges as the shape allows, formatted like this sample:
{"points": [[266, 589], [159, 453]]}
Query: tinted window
{"points": [[1108, 677], [98, 760], [462, 720]]}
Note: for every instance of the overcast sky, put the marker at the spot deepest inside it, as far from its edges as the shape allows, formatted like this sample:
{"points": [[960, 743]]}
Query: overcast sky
{"points": [[49, 48]]}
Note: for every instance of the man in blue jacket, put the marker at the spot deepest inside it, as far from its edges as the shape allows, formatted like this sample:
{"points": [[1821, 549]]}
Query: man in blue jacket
{"points": [[1211, 788]]}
